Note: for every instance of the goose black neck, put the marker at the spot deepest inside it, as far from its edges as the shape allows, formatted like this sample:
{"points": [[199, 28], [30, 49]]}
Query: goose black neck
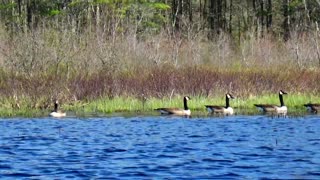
{"points": [[227, 102], [55, 107], [185, 104], [281, 100]]}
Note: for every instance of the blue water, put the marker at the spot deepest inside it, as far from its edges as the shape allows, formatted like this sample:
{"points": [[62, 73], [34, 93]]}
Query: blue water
{"points": [[234, 147]]}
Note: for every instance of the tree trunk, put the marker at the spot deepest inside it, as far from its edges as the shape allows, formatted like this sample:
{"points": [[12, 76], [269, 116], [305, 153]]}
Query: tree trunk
{"points": [[269, 15], [230, 17], [176, 14], [286, 22], [308, 20], [261, 17], [190, 10]]}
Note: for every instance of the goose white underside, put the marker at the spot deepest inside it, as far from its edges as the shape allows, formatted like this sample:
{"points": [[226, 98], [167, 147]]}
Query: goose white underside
{"points": [[210, 110], [281, 109], [164, 112], [180, 112], [309, 109], [274, 109], [57, 114], [261, 109], [228, 110], [223, 110]]}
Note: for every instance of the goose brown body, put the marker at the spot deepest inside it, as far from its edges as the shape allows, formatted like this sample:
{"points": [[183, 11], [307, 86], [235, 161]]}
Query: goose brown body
{"points": [[177, 111], [315, 108], [221, 109], [56, 112], [282, 109]]}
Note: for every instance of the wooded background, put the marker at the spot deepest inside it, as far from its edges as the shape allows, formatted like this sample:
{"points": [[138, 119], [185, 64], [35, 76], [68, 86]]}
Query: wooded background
{"points": [[121, 16], [86, 50]]}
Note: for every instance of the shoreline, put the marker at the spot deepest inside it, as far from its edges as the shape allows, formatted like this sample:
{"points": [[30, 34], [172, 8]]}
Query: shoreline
{"points": [[132, 105]]}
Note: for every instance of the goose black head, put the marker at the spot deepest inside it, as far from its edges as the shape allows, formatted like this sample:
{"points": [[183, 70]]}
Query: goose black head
{"points": [[282, 92], [229, 96]]}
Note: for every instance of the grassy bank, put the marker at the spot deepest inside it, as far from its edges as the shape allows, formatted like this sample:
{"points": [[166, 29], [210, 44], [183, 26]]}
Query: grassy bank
{"points": [[137, 106], [119, 104], [142, 90]]}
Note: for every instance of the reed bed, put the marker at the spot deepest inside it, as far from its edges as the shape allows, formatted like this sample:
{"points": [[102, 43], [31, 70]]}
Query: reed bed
{"points": [[161, 87]]}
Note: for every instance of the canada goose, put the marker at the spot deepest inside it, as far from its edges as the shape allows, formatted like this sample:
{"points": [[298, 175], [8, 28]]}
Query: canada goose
{"points": [[177, 111], [56, 112], [221, 109], [282, 109], [315, 108]]}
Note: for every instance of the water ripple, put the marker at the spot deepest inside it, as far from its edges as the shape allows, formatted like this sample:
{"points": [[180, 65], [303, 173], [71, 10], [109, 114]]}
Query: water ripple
{"points": [[234, 147]]}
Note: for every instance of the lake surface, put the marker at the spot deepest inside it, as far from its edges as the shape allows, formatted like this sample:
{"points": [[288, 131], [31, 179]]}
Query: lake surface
{"points": [[233, 147]]}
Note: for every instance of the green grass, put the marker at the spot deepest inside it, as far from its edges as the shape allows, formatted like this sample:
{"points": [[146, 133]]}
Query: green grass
{"points": [[105, 106], [121, 104], [5, 112]]}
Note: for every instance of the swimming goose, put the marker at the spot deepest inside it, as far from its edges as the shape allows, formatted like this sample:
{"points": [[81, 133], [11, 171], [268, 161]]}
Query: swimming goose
{"points": [[282, 109], [56, 112], [177, 111], [221, 109], [315, 108]]}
